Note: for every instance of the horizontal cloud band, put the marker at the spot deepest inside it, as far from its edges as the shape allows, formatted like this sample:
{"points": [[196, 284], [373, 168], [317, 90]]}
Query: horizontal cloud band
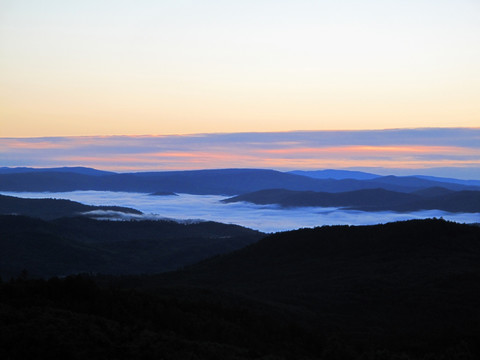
{"points": [[389, 149]]}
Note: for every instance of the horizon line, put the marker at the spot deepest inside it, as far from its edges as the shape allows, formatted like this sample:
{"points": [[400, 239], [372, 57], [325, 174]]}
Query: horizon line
{"points": [[244, 132]]}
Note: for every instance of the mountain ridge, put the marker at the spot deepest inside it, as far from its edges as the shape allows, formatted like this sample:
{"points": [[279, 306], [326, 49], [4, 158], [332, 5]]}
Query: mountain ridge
{"points": [[379, 199], [205, 182], [402, 276], [48, 208], [73, 169], [335, 174]]}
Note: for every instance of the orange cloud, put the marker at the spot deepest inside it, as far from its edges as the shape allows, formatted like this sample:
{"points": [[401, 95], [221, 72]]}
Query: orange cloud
{"points": [[355, 149], [209, 158], [188, 160], [220, 155], [434, 148], [28, 145]]}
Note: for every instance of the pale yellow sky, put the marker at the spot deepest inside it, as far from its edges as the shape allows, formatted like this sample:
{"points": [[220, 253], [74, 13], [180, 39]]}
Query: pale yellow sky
{"points": [[179, 67]]}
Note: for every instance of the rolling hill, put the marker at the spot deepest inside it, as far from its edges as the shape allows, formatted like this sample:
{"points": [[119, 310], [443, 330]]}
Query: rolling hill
{"points": [[413, 283], [82, 245], [360, 175], [335, 174], [406, 290], [52, 208], [202, 182], [436, 198], [69, 169]]}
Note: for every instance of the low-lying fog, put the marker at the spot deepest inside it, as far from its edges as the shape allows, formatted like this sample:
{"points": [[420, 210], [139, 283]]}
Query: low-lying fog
{"points": [[264, 218]]}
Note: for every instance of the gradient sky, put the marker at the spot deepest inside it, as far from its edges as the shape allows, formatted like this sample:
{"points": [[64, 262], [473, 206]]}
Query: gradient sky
{"points": [[452, 152], [112, 67]]}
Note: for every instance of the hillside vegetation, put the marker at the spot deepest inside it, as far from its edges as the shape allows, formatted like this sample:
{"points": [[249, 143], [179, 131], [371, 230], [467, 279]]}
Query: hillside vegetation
{"points": [[405, 290], [48, 209], [81, 245], [435, 198]]}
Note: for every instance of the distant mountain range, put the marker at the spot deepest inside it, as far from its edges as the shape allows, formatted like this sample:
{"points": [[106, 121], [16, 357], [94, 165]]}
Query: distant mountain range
{"points": [[69, 169], [335, 174], [360, 175], [220, 182], [435, 198]]}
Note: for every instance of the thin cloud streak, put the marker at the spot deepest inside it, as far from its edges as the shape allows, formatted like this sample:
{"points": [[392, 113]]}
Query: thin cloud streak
{"points": [[395, 149], [375, 149]]}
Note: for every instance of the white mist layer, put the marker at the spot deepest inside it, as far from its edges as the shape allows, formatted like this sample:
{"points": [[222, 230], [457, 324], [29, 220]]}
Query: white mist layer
{"points": [[267, 218]]}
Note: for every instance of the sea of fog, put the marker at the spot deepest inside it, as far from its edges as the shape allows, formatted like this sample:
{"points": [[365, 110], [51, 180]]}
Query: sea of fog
{"points": [[267, 218]]}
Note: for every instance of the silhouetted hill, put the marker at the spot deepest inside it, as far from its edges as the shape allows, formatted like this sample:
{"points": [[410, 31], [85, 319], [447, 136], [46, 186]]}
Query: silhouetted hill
{"points": [[359, 199], [433, 192], [335, 174], [414, 182], [450, 180], [221, 182], [227, 181], [50, 181], [458, 201], [71, 169], [405, 290], [52, 208], [393, 183], [360, 175], [414, 283], [75, 245], [73, 318], [369, 199]]}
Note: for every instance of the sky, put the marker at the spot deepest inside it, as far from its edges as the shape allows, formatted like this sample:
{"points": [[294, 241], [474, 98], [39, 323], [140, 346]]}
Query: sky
{"points": [[176, 67], [447, 152]]}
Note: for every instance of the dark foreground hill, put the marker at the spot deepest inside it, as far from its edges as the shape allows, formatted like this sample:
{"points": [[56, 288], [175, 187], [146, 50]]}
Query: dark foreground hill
{"points": [[81, 245], [415, 283], [73, 318], [52, 208], [404, 290], [436, 198]]}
